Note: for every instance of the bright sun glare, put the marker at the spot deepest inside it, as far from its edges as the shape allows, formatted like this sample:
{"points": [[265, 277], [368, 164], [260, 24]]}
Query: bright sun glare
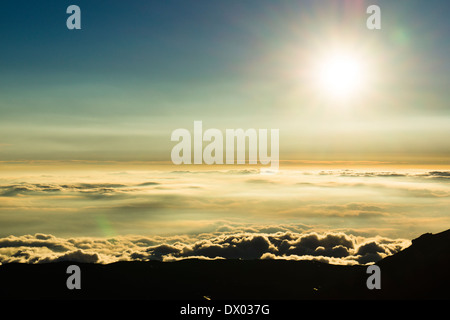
{"points": [[341, 75]]}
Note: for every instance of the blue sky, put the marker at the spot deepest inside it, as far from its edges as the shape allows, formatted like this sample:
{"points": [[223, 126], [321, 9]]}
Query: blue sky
{"points": [[116, 89]]}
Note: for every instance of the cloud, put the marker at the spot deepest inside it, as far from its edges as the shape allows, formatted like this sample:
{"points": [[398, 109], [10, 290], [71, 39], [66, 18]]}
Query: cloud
{"points": [[330, 247], [90, 191], [39, 240], [11, 191], [75, 256], [351, 173], [43, 189], [437, 175], [260, 181], [159, 201], [150, 183]]}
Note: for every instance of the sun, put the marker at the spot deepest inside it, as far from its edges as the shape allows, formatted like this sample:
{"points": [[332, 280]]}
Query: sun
{"points": [[341, 75]]}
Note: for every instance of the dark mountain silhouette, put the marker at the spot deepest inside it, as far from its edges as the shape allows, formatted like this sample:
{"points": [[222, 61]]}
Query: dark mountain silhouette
{"points": [[421, 271]]}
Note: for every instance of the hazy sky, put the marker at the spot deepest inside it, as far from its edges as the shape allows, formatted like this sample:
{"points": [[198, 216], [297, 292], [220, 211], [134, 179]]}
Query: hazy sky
{"points": [[116, 89]]}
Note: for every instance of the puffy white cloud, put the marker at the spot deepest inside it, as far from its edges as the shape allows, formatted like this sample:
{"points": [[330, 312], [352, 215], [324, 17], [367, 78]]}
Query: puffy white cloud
{"points": [[329, 247], [75, 256]]}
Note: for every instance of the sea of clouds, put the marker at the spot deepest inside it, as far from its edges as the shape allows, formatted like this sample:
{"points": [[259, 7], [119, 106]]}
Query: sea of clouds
{"points": [[227, 243], [336, 216]]}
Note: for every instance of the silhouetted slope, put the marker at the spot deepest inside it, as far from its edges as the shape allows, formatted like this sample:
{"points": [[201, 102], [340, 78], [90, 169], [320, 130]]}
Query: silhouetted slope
{"points": [[419, 271]]}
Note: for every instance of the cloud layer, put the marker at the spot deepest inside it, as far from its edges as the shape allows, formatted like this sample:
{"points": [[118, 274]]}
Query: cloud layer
{"points": [[330, 247], [106, 203]]}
